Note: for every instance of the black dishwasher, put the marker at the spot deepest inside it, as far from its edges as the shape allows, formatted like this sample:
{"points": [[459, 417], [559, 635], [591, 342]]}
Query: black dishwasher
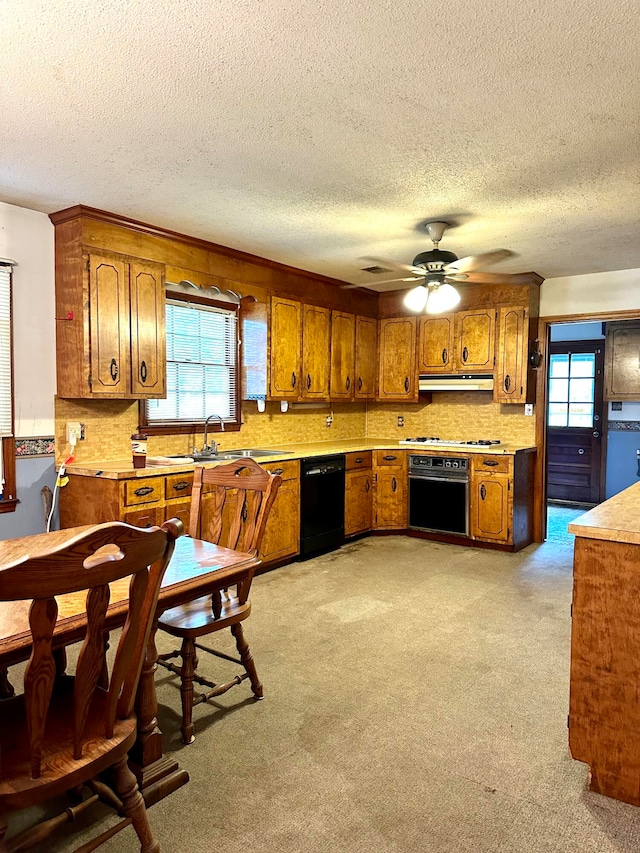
{"points": [[322, 504]]}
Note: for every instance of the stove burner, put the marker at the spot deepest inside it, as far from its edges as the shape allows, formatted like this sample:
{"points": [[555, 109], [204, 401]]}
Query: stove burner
{"points": [[423, 439]]}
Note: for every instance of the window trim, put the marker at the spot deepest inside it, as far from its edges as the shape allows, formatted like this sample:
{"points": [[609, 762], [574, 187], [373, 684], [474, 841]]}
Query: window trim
{"points": [[194, 427], [8, 442]]}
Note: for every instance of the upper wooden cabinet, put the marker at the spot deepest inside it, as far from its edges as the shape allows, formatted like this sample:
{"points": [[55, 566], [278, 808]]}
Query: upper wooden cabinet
{"points": [[113, 342], [435, 344], [366, 358], [397, 375], [622, 361], [475, 341], [316, 335], [285, 348], [511, 380], [343, 339]]}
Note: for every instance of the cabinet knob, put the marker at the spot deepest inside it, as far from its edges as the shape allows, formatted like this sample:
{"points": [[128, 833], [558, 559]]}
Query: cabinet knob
{"points": [[483, 492], [406, 384], [465, 355], [444, 356], [143, 371], [359, 383], [359, 460], [348, 382], [113, 369], [394, 484], [368, 486], [308, 381], [507, 382], [293, 379]]}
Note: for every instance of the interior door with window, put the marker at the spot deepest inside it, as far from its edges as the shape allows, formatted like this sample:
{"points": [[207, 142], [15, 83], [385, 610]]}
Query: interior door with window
{"points": [[574, 421]]}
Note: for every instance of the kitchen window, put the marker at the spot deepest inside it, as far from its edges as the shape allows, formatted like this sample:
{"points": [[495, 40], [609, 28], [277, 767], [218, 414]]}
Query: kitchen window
{"points": [[8, 498], [202, 367]]}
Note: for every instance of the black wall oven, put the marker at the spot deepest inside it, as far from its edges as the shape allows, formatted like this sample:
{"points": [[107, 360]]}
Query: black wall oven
{"points": [[439, 494]]}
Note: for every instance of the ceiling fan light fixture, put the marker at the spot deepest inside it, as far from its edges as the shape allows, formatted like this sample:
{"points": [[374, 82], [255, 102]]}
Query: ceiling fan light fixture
{"points": [[442, 298], [416, 298]]}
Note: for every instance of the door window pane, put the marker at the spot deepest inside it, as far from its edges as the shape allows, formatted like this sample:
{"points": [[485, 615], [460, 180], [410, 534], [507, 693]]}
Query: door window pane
{"points": [[558, 414], [558, 390], [581, 415], [559, 365], [581, 390], [583, 364]]}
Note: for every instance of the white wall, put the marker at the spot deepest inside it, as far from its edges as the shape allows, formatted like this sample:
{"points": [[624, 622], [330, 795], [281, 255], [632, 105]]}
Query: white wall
{"points": [[26, 236], [595, 293]]}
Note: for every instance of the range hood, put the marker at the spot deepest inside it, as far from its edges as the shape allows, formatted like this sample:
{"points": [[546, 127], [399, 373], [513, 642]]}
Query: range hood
{"points": [[456, 382]]}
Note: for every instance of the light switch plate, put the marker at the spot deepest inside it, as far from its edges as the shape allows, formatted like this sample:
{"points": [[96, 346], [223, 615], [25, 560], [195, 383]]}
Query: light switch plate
{"points": [[528, 409]]}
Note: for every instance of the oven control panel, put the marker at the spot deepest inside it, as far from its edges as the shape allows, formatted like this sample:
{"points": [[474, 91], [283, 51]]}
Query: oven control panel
{"points": [[433, 464]]}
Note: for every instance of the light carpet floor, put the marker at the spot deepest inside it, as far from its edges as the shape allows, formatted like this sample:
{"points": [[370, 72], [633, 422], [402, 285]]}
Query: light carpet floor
{"points": [[416, 699]]}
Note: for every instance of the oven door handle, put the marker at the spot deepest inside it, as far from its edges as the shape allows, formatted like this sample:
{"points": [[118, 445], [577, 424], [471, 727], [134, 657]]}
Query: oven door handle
{"points": [[439, 479]]}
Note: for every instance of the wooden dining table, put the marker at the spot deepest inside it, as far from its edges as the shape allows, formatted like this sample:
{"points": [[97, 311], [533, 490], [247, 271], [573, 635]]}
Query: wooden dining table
{"points": [[195, 568]]}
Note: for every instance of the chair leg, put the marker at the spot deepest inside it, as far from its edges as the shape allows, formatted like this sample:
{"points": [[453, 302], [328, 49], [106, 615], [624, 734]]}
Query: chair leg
{"points": [[247, 660], [133, 806], [188, 652]]}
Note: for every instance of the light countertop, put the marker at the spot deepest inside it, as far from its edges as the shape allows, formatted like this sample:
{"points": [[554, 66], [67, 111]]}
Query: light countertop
{"points": [[616, 520], [122, 469]]}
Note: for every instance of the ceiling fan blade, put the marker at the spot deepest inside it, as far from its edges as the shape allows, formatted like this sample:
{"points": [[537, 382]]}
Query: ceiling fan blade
{"points": [[394, 265], [371, 284], [477, 262]]}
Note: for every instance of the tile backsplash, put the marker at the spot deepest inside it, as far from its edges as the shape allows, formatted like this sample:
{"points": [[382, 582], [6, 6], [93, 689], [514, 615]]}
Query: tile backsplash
{"points": [[456, 414]]}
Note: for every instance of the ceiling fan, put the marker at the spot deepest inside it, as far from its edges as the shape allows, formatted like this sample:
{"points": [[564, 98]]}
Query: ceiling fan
{"points": [[435, 270]]}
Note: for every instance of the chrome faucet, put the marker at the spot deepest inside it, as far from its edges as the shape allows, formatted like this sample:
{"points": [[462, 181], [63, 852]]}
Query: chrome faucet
{"points": [[213, 448]]}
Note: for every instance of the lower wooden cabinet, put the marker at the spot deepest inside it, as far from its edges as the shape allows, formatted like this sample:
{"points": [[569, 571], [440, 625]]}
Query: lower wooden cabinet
{"points": [[147, 517], [490, 507], [391, 499], [358, 505], [502, 499], [282, 534]]}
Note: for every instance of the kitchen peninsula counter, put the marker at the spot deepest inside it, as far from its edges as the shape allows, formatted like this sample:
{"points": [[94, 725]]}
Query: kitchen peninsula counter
{"points": [[123, 470], [604, 707]]}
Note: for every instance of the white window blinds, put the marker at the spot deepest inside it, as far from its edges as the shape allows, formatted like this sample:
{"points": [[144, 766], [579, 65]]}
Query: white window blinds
{"points": [[202, 364], [6, 425]]}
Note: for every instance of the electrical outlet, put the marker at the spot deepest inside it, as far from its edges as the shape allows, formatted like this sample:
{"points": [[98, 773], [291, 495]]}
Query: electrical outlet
{"points": [[75, 429], [400, 421], [329, 420], [528, 409]]}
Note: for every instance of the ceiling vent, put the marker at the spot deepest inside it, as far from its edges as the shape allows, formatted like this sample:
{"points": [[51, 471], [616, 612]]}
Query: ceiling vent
{"points": [[376, 270]]}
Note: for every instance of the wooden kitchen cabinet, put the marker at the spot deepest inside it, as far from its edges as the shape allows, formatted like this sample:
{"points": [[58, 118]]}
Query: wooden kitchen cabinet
{"points": [[622, 361], [512, 383], [391, 497], [435, 344], [282, 533], [358, 508], [285, 348], [343, 332], [316, 337], [475, 341], [501, 498], [110, 333], [397, 376], [366, 358], [150, 516]]}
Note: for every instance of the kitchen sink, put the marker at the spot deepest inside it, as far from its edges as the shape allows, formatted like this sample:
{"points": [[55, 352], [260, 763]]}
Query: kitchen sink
{"points": [[229, 455], [250, 451]]}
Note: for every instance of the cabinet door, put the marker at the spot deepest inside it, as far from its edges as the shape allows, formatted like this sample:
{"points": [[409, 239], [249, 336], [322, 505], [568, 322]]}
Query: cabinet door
{"points": [[622, 352], [282, 533], [316, 332], [148, 517], [343, 335], [510, 378], [435, 347], [391, 498], [366, 358], [181, 510], [358, 501], [475, 341], [148, 347], [491, 507], [285, 337], [397, 374], [109, 327]]}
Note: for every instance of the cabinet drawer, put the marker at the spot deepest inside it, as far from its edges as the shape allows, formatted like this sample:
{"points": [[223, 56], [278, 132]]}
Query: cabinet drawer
{"points": [[287, 470], [492, 464], [178, 486], [390, 457], [145, 490], [359, 460]]}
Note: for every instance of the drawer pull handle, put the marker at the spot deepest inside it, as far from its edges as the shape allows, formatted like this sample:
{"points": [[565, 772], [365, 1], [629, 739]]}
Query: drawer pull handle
{"points": [[444, 356], [359, 383], [394, 484], [507, 382], [144, 490], [389, 458], [113, 369], [483, 492], [308, 381], [293, 379], [181, 486], [143, 371], [359, 460], [491, 462], [368, 486], [278, 471], [406, 384], [465, 355]]}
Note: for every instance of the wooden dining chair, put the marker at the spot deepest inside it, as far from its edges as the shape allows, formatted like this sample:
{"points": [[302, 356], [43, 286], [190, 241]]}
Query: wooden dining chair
{"points": [[63, 731], [230, 505]]}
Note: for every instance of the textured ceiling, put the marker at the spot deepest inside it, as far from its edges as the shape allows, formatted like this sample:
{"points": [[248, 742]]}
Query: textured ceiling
{"points": [[319, 133]]}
